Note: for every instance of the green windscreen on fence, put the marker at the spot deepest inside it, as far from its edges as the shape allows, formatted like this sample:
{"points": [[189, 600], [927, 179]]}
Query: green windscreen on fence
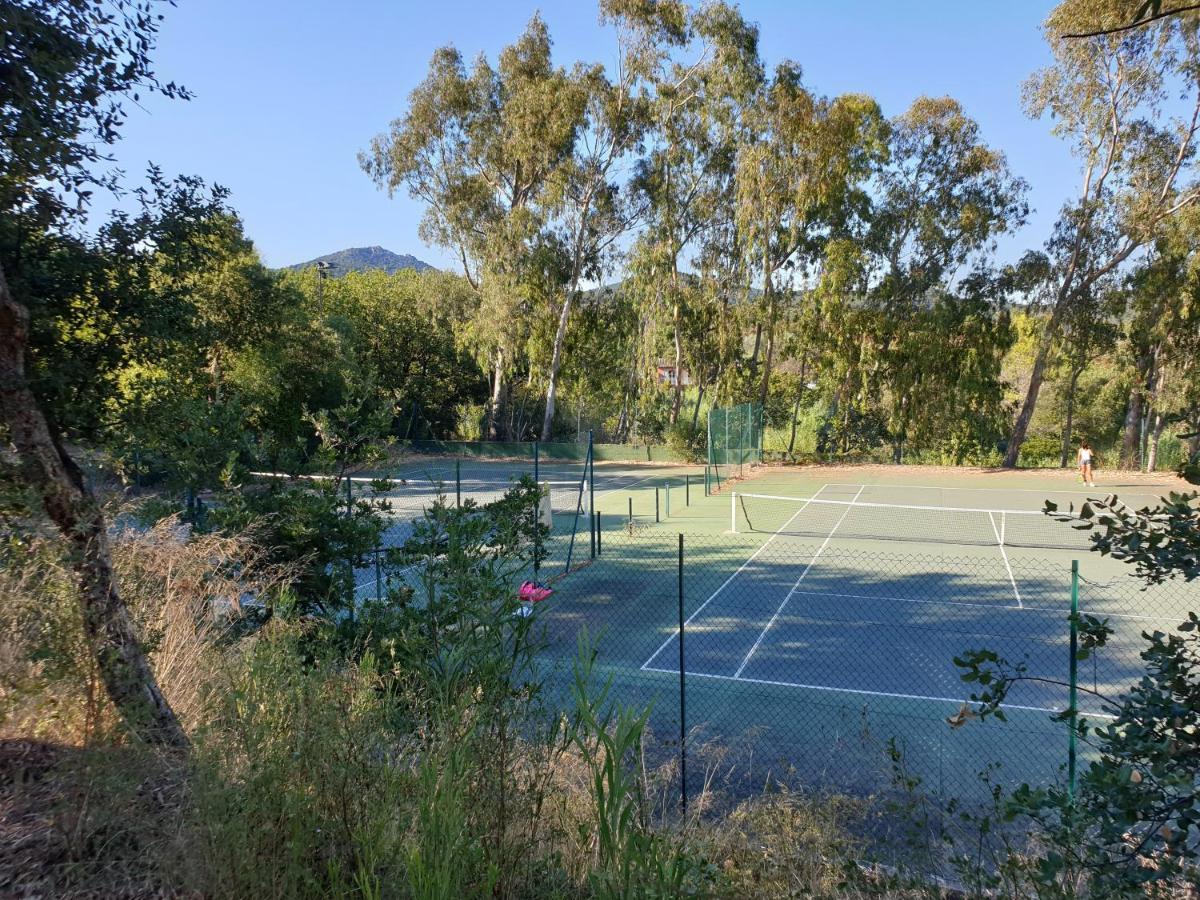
{"points": [[734, 441]]}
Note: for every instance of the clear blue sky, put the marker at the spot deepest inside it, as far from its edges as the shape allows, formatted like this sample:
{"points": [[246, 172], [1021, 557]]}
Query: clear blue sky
{"points": [[288, 92]]}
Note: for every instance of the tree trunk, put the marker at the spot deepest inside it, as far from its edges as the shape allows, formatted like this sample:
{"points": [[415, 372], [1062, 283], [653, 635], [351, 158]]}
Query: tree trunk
{"points": [[795, 418], [696, 408], [47, 467], [1069, 424], [493, 416], [1029, 404], [677, 393], [1160, 421], [560, 337], [1131, 439], [757, 344], [772, 315]]}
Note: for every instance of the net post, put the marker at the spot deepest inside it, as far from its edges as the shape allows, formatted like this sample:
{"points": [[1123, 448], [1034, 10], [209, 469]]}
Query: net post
{"points": [[631, 514], [1073, 709], [599, 547], [536, 461], [457, 482], [733, 512], [687, 489], [656, 516], [682, 692], [667, 498], [592, 533]]}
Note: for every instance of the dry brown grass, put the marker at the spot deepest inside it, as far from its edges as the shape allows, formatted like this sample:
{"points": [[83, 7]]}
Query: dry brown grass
{"points": [[181, 591]]}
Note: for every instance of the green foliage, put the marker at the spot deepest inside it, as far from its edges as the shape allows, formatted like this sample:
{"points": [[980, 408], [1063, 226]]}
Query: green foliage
{"points": [[687, 441], [1041, 450], [632, 861], [1133, 819], [1161, 541]]}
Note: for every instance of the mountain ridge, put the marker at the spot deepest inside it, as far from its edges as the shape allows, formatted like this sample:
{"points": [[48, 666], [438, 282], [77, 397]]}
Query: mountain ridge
{"points": [[361, 259]]}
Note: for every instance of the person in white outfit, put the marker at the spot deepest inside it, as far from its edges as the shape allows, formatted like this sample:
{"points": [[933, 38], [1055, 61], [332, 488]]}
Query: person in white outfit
{"points": [[1085, 463]]}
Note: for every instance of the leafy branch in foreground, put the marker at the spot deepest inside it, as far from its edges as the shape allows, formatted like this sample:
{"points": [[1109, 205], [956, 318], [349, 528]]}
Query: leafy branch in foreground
{"points": [[1163, 541], [1136, 810]]}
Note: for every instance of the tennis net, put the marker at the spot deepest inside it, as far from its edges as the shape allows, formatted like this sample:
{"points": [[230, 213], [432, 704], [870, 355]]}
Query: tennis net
{"points": [[813, 517]]}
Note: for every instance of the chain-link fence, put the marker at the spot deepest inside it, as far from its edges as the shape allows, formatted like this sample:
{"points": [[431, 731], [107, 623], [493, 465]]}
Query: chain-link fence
{"points": [[801, 663], [734, 442], [567, 492]]}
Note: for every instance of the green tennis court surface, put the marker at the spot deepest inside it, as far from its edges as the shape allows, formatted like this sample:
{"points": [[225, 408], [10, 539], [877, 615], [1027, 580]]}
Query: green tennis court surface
{"points": [[828, 622]]}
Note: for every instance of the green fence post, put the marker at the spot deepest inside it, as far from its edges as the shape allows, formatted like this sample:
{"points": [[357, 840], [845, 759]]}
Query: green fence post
{"points": [[687, 489], [656, 516], [378, 578], [537, 514], [1073, 718], [667, 498], [599, 542], [682, 693]]}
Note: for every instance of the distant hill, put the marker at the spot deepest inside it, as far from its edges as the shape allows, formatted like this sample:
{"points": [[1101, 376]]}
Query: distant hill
{"points": [[359, 259]]}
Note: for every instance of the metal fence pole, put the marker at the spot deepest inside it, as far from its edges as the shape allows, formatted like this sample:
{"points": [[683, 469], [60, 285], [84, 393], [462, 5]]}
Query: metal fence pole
{"points": [[591, 473], [630, 513], [682, 693], [656, 516], [599, 543], [378, 576], [687, 489], [667, 498], [1073, 709], [457, 482]]}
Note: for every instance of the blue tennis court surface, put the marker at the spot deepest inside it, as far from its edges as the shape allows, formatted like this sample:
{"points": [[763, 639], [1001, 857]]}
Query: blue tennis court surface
{"points": [[833, 620]]}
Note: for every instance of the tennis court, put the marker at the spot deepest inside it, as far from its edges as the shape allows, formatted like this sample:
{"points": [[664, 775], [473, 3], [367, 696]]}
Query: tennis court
{"points": [[821, 617]]}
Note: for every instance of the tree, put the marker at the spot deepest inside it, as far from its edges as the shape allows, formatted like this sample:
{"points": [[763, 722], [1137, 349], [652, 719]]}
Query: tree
{"points": [[1088, 330], [943, 197], [68, 67], [702, 67], [487, 152], [1149, 11], [800, 177], [1105, 95]]}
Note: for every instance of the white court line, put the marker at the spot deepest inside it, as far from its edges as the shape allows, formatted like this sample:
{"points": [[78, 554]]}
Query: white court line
{"points": [[625, 487], [726, 583], [1004, 553], [940, 487], [864, 693], [992, 606], [817, 555]]}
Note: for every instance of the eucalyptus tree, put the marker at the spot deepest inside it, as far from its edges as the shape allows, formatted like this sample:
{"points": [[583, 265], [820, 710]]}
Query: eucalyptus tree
{"points": [[1089, 330], [489, 152], [1162, 340], [69, 66], [701, 67], [940, 201], [801, 172], [1110, 97], [588, 211]]}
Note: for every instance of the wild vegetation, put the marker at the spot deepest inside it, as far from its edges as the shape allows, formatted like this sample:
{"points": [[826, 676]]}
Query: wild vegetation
{"points": [[193, 702]]}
